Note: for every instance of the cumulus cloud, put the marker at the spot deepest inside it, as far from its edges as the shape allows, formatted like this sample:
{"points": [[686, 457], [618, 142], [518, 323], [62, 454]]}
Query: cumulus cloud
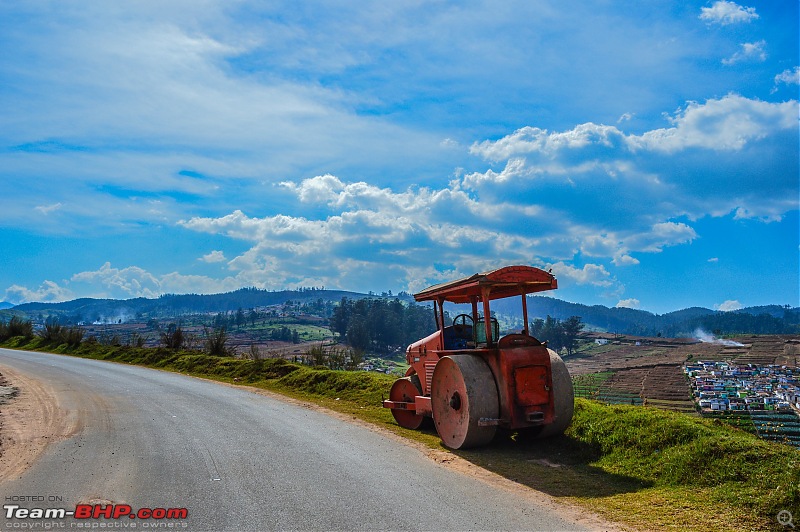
{"points": [[729, 305], [47, 292], [622, 259], [533, 139], [749, 51], [628, 303], [662, 235], [377, 226], [603, 200], [724, 13], [589, 169], [725, 124], [133, 281], [213, 257], [593, 274], [787, 77], [652, 240]]}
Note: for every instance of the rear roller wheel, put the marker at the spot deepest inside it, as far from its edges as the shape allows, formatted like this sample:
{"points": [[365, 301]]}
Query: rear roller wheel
{"points": [[405, 390], [462, 392]]}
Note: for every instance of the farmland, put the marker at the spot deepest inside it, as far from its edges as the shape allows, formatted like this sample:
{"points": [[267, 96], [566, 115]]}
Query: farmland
{"points": [[649, 371]]}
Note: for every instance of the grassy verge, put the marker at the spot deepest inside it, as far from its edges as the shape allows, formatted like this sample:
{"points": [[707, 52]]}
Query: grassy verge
{"points": [[643, 467]]}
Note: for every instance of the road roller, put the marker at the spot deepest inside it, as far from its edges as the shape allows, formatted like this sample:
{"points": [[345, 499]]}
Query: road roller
{"points": [[472, 381]]}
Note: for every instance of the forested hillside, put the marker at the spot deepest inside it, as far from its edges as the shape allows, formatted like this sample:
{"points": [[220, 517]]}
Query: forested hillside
{"points": [[172, 305], [772, 319]]}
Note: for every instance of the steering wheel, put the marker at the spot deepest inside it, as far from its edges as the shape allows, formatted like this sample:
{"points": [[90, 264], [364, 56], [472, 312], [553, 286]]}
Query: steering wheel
{"points": [[462, 326]]}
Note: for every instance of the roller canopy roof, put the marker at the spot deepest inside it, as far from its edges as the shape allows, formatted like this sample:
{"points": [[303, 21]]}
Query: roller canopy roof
{"points": [[505, 282]]}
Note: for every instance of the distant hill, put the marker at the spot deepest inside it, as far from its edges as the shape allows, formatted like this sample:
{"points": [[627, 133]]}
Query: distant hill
{"points": [[770, 319], [175, 305], [4, 305]]}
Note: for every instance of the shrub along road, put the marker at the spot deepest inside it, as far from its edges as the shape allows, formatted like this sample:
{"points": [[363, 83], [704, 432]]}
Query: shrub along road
{"points": [[238, 460]]}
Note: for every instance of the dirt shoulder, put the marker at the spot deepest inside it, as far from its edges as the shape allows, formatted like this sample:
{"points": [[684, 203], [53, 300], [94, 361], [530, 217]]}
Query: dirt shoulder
{"points": [[29, 422]]}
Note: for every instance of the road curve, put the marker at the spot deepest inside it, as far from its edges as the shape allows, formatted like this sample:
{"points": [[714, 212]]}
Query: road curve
{"points": [[238, 460]]}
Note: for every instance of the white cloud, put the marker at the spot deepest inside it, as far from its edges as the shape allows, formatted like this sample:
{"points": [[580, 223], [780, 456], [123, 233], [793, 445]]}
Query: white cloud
{"points": [[48, 292], [510, 215], [628, 303], [624, 260], [652, 240], [723, 12], [662, 235], [726, 124], [750, 51], [729, 305], [533, 139], [713, 259], [177, 283], [625, 117], [371, 225], [47, 209], [787, 77], [592, 274], [214, 256], [133, 281]]}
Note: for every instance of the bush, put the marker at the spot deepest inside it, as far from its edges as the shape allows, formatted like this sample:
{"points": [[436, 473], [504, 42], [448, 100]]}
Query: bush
{"points": [[334, 357], [74, 336], [173, 337], [54, 333], [16, 327], [136, 340], [216, 342]]}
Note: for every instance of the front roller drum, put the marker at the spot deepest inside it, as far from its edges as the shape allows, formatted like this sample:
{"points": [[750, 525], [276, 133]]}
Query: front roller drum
{"points": [[463, 392], [405, 390]]}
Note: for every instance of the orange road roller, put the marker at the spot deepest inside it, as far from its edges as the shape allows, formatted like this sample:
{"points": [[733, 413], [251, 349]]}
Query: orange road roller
{"points": [[471, 380]]}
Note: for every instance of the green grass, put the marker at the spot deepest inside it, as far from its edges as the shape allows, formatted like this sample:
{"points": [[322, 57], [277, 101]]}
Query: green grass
{"points": [[305, 332], [644, 467], [591, 380], [667, 449]]}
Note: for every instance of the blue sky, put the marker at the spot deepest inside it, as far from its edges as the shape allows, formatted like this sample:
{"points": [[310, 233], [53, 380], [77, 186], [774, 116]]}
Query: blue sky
{"points": [[647, 152]]}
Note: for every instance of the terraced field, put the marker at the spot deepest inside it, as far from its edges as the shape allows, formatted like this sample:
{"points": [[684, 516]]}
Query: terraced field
{"points": [[783, 427], [637, 370], [663, 386]]}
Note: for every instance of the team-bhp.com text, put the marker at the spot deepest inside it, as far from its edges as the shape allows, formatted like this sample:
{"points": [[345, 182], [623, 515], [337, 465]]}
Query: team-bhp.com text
{"points": [[94, 511]]}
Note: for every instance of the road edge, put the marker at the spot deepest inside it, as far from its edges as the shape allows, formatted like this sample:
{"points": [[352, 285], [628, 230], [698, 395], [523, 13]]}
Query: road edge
{"points": [[31, 422]]}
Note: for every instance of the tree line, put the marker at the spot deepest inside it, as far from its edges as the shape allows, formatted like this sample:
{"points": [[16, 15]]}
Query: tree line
{"points": [[380, 325], [558, 334]]}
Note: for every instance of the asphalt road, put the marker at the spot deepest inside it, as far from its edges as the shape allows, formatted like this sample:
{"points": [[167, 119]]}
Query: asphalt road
{"points": [[242, 461]]}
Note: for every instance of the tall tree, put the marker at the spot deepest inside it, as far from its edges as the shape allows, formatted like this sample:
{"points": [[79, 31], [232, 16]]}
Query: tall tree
{"points": [[572, 327]]}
